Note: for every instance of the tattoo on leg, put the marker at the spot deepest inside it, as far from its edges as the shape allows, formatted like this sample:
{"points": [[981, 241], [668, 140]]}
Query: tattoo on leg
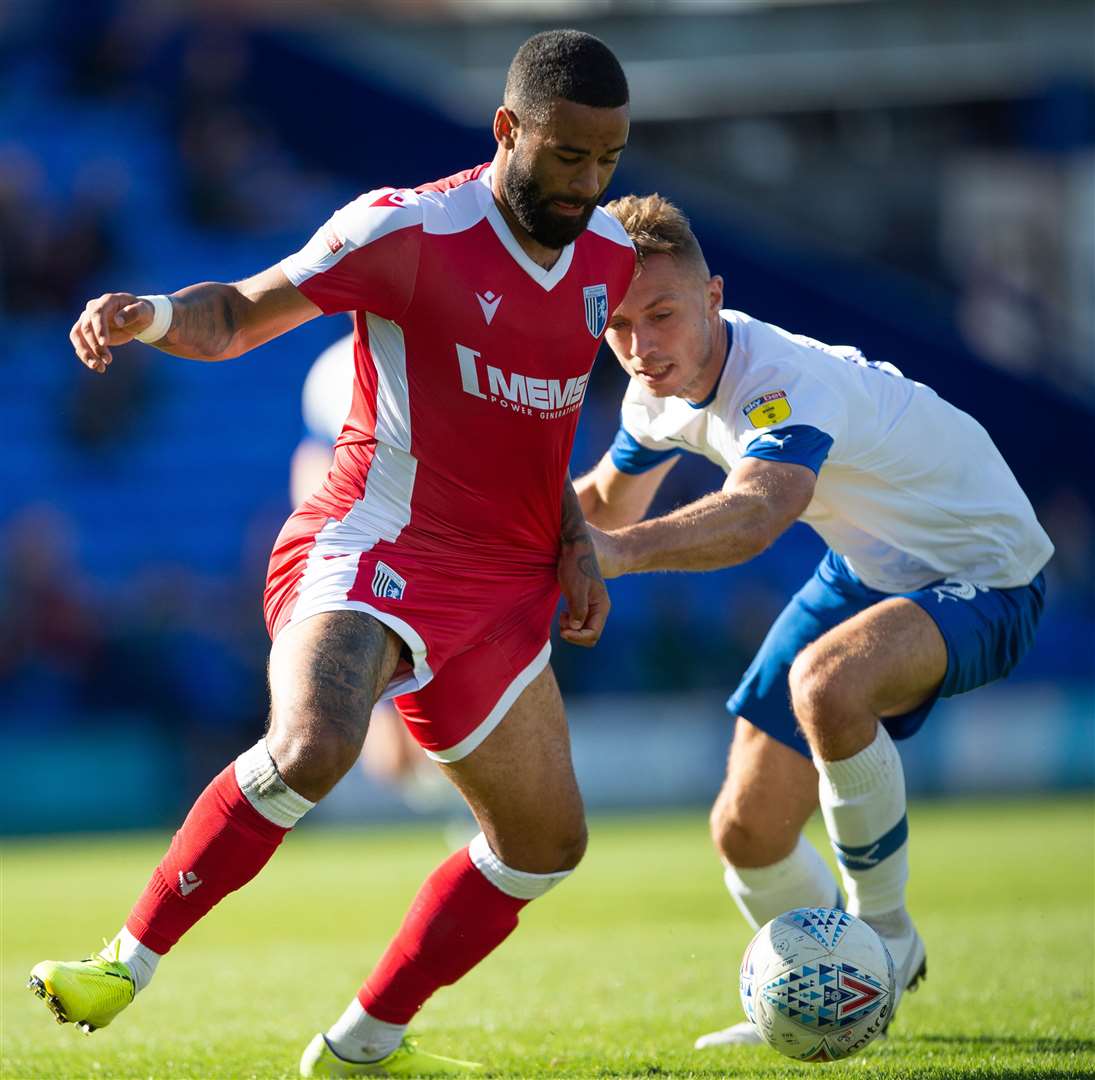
{"points": [[346, 669]]}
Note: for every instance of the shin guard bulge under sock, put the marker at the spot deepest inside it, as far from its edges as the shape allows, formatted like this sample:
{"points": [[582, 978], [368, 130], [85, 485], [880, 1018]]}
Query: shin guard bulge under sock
{"points": [[863, 803], [229, 835]]}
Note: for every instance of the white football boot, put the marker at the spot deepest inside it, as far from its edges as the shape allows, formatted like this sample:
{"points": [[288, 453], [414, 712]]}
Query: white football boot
{"points": [[742, 1034], [910, 958]]}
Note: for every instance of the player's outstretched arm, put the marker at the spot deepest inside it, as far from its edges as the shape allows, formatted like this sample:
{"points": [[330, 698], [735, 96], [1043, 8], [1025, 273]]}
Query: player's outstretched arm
{"points": [[210, 321], [611, 499], [758, 502]]}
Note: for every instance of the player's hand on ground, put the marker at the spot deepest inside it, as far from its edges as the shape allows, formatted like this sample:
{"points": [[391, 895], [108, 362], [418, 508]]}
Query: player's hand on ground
{"points": [[585, 598], [110, 319]]}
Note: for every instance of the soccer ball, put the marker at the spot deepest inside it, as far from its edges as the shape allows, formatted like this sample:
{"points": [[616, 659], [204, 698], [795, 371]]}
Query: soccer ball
{"points": [[818, 984]]}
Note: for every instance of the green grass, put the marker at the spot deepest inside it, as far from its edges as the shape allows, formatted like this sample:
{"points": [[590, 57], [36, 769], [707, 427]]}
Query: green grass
{"points": [[612, 975]]}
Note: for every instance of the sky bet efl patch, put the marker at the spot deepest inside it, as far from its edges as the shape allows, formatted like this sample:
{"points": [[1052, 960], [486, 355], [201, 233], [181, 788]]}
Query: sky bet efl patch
{"points": [[768, 409]]}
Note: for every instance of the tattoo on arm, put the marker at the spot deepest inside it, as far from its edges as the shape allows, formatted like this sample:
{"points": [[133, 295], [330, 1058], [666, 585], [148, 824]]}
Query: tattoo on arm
{"points": [[574, 533], [205, 320], [573, 528], [588, 566]]}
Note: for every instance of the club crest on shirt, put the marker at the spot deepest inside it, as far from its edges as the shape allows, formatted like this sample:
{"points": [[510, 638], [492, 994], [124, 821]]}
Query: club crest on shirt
{"points": [[387, 584], [596, 301], [768, 409]]}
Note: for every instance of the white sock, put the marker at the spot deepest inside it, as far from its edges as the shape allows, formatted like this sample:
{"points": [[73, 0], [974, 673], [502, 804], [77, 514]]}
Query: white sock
{"points": [[261, 783], [140, 959], [520, 884], [802, 879], [863, 803], [891, 925], [357, 1036]]}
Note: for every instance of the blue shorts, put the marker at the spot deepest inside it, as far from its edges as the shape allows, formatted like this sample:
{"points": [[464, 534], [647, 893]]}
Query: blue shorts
{"points": [[987, 632]]}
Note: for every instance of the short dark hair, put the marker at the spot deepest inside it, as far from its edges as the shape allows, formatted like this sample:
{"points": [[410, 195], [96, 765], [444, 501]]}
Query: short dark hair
{"points": [[567, 64]]}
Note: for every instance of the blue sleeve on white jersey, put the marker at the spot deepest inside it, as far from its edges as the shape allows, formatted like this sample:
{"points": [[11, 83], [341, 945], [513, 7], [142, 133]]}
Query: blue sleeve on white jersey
{"points": [[796, 444], [630, 456]]}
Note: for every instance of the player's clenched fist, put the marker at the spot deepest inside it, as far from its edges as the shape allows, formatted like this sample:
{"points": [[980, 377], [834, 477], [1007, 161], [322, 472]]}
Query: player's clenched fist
{"points": [[111, 319]]}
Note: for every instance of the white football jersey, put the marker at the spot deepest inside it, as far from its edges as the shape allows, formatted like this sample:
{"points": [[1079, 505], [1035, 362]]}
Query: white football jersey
{"points": [[329, 391], [911, 489]]}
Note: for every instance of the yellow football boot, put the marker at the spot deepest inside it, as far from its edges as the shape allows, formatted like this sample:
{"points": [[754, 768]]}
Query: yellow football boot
{"points": [[406, 1060], [88, 993]]}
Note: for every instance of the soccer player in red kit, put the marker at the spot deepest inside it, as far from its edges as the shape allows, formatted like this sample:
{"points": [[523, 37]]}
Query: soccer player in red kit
{"points": [[430, 565]]}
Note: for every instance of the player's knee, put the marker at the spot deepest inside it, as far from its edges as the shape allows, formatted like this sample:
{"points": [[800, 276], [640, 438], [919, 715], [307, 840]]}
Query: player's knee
{"points": [[821, 693], [550, 850], [313, 760], [562, 850], [720, 820], [570, 846], [739, 839]]}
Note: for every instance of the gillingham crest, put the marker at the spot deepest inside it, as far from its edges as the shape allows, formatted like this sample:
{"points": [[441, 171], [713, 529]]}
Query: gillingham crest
{"points": [[596, 301], [387, 584]]}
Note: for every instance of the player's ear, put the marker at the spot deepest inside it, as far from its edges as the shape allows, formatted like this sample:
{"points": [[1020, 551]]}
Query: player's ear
{"points": [[505, 127], [714, 294]]}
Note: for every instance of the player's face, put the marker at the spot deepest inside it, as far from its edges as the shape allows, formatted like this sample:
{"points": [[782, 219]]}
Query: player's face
{"points": [[667, 332], [558, 170]]}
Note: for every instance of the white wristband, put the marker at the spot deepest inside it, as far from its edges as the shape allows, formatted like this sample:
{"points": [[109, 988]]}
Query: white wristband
{"points": [[162, 313]]}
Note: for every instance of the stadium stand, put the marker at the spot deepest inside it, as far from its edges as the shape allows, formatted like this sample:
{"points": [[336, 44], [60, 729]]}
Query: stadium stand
{"points": [[156, 492]]}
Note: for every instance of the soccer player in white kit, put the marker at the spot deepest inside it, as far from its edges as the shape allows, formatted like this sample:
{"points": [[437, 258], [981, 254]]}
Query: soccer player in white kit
{"points": [[932, 585]]}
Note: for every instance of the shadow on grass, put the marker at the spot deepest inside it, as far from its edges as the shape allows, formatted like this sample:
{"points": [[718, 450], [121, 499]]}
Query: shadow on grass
{"points": [[792, 1069], [976, 1045], [1037, 1044]]}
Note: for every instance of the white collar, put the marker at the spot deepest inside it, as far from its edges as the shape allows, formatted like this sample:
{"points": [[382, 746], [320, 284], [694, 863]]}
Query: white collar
{"points": [[547, 279]]}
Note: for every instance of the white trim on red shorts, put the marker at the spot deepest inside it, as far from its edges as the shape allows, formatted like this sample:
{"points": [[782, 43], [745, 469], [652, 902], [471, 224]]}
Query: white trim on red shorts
{"points": [[512, 692], [421, 673], [325, 584]]}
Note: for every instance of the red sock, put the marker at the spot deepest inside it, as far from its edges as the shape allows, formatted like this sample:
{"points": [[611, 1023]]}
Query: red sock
{"points": [[457, 918], [223, 843]]}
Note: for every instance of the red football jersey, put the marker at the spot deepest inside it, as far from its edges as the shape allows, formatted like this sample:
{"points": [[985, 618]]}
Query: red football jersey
{"points": [[471, 363]]}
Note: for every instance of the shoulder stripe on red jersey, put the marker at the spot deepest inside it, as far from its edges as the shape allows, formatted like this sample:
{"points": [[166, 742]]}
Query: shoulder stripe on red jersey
{"points": [[368, 218], [455, 210], [376, 214], [456, 180], [449, 208], [604, 224]]}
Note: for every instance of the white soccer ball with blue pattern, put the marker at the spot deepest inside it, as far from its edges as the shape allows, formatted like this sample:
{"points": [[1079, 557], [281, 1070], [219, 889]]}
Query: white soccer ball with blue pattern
{"points": [[818, 984]]}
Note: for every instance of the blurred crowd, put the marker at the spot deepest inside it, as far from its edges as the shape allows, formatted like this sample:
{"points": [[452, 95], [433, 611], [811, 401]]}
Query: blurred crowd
{"points": [[175, 645], [171, 645]]}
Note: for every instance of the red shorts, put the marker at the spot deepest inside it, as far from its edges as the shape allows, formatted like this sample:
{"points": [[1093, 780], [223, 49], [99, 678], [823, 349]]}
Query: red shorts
{"points": [[477, 633]]}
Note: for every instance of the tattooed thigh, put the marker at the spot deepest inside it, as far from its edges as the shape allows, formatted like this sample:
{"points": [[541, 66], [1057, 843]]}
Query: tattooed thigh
{"points": [[330, 669]]}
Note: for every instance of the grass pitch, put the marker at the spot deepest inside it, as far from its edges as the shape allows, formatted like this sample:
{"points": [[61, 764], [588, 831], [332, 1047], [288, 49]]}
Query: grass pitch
{"points": [[612, 975]]}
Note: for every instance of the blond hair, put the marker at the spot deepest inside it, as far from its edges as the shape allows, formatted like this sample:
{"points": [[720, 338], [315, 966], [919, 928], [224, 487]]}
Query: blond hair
{"points": [[657, 227]]}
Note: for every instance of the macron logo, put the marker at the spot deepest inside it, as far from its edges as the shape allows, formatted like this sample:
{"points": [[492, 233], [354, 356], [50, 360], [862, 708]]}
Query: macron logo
{"points": [[188, 882], [489, 303]]}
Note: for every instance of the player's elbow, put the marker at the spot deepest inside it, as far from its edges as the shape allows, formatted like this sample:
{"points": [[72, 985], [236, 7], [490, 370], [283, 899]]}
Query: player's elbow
{"points": [[594, 509], [771, 515], [590, 499], [758, 532], [602, 513], [609, 517]]}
